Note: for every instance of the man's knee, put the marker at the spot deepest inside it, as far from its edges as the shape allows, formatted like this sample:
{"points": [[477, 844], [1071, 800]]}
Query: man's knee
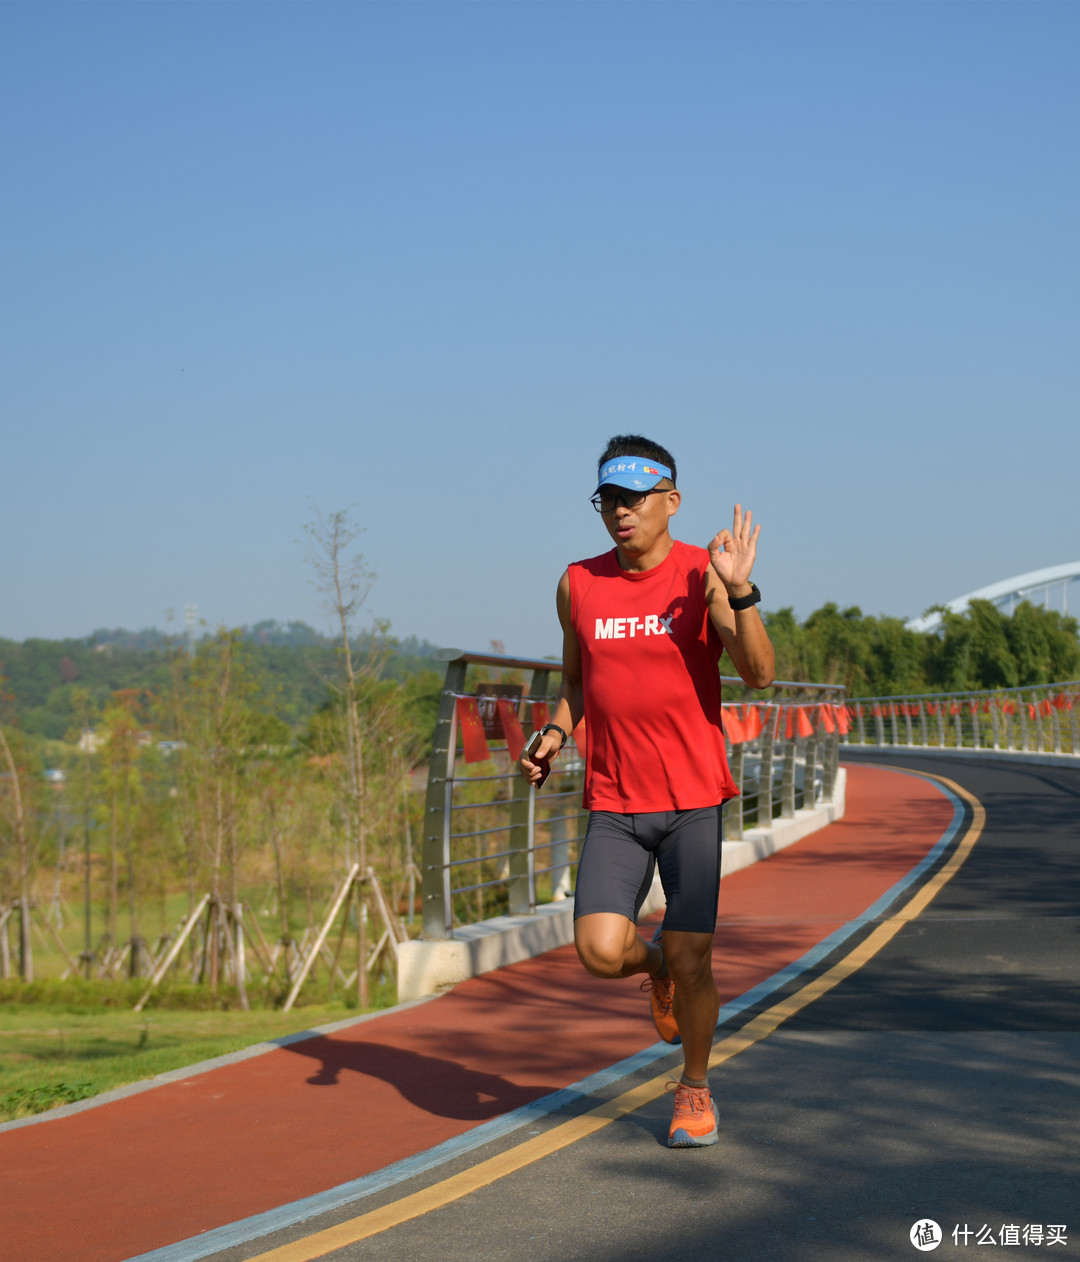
{"points": [[688, 956], [603, 942], [602, 959]]}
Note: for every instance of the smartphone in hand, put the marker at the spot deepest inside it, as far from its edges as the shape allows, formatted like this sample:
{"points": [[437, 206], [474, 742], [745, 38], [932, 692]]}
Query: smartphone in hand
{"points": [[543, 763]]}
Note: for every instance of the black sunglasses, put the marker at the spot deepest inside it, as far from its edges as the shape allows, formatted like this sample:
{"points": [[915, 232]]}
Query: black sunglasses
{"points": [[628, 499]]}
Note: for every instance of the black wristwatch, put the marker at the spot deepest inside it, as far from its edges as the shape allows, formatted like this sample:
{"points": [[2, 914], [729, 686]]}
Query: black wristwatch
{"points": [[554, 727], [744, 602]]}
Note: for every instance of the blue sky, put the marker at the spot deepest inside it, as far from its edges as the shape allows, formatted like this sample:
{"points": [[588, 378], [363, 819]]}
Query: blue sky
{"points": [[425, 258]]}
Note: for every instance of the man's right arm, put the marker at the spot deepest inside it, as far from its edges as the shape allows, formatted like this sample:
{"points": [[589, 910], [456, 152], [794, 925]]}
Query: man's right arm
{"points": [[570, 704]]}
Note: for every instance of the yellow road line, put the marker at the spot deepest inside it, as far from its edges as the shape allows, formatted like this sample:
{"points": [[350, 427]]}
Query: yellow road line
{"points": [[569, 1132]]}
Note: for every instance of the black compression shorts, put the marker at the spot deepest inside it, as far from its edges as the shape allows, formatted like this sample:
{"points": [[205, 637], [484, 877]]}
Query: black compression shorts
{"points": [[620, 853]]}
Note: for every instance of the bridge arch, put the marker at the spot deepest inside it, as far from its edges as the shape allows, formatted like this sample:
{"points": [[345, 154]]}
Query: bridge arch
{"points": [[1007, 593]]}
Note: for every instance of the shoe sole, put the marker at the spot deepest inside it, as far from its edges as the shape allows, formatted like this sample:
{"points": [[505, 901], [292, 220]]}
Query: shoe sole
{"points": [[681, 1139]]}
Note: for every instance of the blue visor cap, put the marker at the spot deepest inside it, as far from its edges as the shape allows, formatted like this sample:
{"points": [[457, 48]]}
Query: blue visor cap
{"points": [[633, 472]]}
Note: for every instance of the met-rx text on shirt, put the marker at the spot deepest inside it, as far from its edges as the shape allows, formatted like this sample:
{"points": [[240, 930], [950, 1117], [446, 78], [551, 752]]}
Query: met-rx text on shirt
{"points": [[628, 628]]}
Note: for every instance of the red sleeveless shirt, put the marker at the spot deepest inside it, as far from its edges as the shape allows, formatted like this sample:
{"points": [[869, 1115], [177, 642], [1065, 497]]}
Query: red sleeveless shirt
{"points": [[650, 657]]}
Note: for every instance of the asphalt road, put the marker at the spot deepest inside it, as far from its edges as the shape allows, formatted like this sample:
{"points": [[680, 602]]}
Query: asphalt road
{"points": [[940, 1081]]}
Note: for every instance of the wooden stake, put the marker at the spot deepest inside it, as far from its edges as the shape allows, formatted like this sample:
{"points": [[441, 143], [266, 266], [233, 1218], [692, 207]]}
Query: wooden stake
{"points": [[331, 916], [5, 956], [334, 970], [241, 963], [258, 945], [173, 951], [393, 927]]}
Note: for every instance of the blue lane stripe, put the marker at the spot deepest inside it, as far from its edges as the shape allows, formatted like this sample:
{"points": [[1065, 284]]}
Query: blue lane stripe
{"points": [[248, 1229]]}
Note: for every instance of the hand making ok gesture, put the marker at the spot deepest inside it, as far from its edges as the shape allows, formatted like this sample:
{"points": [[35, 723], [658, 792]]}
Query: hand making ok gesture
{"points": [[734, 551]]}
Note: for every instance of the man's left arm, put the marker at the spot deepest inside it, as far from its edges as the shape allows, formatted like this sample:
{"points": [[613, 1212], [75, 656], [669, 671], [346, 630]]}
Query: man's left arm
{"points": [[733, 553]]}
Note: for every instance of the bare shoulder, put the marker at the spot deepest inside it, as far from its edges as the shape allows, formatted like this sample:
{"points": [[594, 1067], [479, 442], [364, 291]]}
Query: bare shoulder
{"points": [[562, 597]]}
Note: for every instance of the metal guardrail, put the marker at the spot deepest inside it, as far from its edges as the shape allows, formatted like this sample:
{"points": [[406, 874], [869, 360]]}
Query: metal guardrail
{"points": [[493, 845], [1044, 719]]}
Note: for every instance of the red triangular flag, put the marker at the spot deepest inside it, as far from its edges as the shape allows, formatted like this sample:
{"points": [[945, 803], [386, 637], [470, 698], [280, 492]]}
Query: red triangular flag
{"points": [[511, 726], [733, 726], [472, 730], [753, 722], [804, 725]]}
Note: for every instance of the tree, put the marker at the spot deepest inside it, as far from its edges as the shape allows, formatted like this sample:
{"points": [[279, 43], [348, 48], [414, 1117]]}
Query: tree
{"points": [[19, 810], [1043, 643], [363, 723], [120, 727]]}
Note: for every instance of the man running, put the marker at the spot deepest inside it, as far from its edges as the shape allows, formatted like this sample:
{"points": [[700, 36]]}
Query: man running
{"points": [[643, 629]]}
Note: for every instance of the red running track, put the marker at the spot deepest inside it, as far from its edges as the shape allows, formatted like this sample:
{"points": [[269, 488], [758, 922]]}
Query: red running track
{"points": [[157, 1167]]}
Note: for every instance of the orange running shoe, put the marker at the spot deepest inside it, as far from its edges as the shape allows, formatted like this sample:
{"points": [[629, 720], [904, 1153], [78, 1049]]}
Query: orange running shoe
{"points": [[696, 1119], [663, 990]]}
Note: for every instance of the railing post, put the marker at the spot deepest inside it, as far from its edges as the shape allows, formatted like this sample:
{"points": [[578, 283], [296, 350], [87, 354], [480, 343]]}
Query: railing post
{"points": [[922, 724], [1021, 710], [810, 775], [974, 723], [859, 720], [522, 887], [879, 725], [892, 724], [763, 815], [435, 886], [830, 766], [1074, 725], [538, 691], [522, 858], [558, 835], [787, 782], [995, 721], [733, 809], [907, 723]]}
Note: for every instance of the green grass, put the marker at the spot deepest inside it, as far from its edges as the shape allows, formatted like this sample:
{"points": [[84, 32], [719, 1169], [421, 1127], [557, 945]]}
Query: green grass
{"points": [[85, 1043]]}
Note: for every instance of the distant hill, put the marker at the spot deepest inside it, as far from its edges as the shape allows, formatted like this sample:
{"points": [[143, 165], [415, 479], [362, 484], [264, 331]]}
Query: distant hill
{"points": [[41, 675]]}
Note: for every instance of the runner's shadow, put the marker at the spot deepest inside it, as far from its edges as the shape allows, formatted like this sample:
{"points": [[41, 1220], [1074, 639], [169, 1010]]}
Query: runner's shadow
{"points": [[430, 1083]]}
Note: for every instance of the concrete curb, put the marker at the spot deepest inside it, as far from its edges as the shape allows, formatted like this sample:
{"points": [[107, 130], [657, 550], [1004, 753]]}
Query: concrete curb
{"points": [[425, 967]]}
